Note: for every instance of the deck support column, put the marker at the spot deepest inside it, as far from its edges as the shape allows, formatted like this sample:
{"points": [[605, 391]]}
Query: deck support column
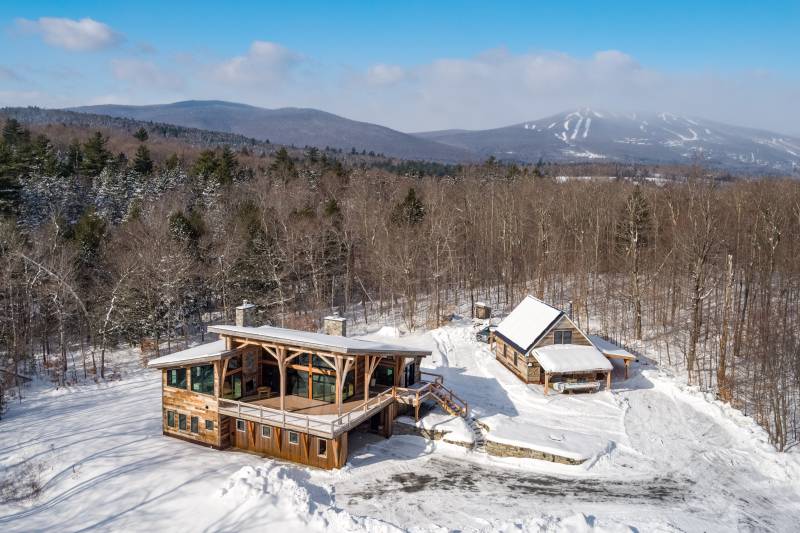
{"points": [[608, 380], [546, 382], [279, 353], [627, 363]]}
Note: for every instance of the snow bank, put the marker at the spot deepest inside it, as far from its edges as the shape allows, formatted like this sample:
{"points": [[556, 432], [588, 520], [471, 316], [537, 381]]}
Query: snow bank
{"points": [[280, 497], [456, 427]]}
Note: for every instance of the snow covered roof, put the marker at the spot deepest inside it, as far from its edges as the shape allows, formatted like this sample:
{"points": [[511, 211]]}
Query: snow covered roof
{"points": [[610, 349], [318, 341], [528, 322], [198, 354], [568, 358]]}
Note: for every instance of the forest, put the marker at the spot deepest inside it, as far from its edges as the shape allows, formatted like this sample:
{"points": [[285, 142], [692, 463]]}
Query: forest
{"points": [[114, 235]]}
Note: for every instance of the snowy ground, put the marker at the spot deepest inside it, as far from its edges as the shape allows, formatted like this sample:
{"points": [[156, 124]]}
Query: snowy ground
{"points": [[661, 458]]}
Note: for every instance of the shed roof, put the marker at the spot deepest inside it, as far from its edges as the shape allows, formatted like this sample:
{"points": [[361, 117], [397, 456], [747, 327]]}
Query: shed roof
{"points": [[529, 320], [569, 358], [209, 351], [318, 341], [609, 348]]}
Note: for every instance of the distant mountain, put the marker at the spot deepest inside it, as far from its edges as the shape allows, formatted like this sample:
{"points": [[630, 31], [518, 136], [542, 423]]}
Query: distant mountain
{"points": [[289, 126], [586, 135]]}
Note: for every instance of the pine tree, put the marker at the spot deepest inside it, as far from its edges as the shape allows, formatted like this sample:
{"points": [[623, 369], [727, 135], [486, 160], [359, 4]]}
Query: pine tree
{"points": [[206, 164], [142, 163], [141, 134], [227, 166], [410, 211], [95, 155]]}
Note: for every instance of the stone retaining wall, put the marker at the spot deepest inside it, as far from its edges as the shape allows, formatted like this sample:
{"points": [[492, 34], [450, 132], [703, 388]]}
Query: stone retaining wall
{"points": [[499, 449]]}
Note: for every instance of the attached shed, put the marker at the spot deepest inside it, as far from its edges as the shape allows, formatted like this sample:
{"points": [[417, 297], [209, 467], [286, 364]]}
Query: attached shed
{"points": [[541, 344], [612, 351]]}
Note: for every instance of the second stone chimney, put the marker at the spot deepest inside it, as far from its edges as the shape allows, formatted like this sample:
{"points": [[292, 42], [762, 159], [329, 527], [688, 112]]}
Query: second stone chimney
{"points": [[335, 325], [246, 315]]}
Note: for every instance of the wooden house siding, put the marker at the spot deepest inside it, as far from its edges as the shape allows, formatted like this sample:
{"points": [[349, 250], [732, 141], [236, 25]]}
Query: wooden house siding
{"points": [[278, 445], [564, 323], [191, 404], [504, 353]]}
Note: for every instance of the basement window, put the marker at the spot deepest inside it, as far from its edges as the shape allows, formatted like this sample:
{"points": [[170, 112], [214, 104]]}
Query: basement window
{"points": [[322, 447], [209, 425], [294, 437], [182, 422], [266, 431], [171, 419], [240, 425], [562, 337], [195, 424]]}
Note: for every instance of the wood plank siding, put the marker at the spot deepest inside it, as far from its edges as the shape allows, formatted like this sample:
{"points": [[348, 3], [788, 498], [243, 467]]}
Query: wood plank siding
{"points": [[563, 324], [184, 402]]}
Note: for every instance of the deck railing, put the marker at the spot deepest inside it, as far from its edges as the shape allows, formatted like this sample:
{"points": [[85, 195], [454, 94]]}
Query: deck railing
{"points": [[313, 424]]}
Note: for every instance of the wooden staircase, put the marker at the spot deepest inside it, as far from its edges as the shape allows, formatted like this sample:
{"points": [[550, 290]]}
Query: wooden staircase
{"points": [[449, 401]]}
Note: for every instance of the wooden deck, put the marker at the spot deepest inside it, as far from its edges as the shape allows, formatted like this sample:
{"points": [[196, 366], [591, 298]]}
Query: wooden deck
{"points": [[306, 406]]}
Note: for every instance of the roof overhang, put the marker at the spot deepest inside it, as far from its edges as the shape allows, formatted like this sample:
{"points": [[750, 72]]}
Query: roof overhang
{"points": [[317, 341]]}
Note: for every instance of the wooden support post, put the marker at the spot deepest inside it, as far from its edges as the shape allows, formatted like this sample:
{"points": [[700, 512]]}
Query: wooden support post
{"points": [[608, 380], [546, 382], [369, 368], [627, 363]]}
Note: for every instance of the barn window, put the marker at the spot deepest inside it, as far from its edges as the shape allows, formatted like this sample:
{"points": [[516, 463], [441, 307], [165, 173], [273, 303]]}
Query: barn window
{"points": [[322, 447], [195, 425], [562, 336], [182, 422], [240, 425], [266, 431], [210, 425], [176, 377], [171, 419], [203, 379], [294, 437]]}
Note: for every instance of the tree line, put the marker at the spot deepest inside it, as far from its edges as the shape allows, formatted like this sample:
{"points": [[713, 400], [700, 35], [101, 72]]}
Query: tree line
{"points": [[97, 251]]}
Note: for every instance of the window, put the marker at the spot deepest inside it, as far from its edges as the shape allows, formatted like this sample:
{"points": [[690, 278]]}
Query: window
{"points": [[209, 425], [176, 377], [323, 387], [195, 425], [182, 422], [562, 337], [384, 375], [297, 383], [319, 362], [203, 379], [349, 386], [515, 358], [322, 447], [294, 437], [234, 362], [266, 431], [270, 377], [171, 419], [231, 387], [240, 425]]}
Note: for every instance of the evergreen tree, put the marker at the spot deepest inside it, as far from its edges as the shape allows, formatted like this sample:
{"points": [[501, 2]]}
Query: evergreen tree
{"points": [[73, 160], [410, 211], [141, 134], [227, 166], [142, 163], [206, 164], [13, 132], [95, 155]]}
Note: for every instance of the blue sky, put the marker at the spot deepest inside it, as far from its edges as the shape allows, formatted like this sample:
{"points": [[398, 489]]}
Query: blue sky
{"points": [[412, 65]]}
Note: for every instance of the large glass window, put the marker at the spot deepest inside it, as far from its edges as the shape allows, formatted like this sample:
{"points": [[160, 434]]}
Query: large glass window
{"points": [[270, 377], [319, 362], [297, 383], [232, 387], [323, 388], [176, 377], [203, 379], [235, 362], [384, 375], [349, 389]]}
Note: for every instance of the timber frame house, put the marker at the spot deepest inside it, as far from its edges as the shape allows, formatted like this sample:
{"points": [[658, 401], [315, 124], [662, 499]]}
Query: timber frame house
{"points": [[291, 394], [541, 344]]}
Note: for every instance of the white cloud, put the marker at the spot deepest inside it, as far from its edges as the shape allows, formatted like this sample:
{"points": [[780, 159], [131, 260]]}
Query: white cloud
{"points": [[145, 74], [75, 35], [264, 62], [382, 74]]}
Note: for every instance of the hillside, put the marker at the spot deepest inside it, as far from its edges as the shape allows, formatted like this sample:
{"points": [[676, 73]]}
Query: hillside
{"points": [[289, 126], [589, 135]]}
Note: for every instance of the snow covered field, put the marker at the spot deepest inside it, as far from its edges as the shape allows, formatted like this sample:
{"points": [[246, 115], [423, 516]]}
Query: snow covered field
{"points": [[660, 457]]}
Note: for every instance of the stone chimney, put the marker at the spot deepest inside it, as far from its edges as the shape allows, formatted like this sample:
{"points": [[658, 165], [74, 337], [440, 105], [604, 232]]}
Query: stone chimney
{"points": [[335, 325], [246, 314]]}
